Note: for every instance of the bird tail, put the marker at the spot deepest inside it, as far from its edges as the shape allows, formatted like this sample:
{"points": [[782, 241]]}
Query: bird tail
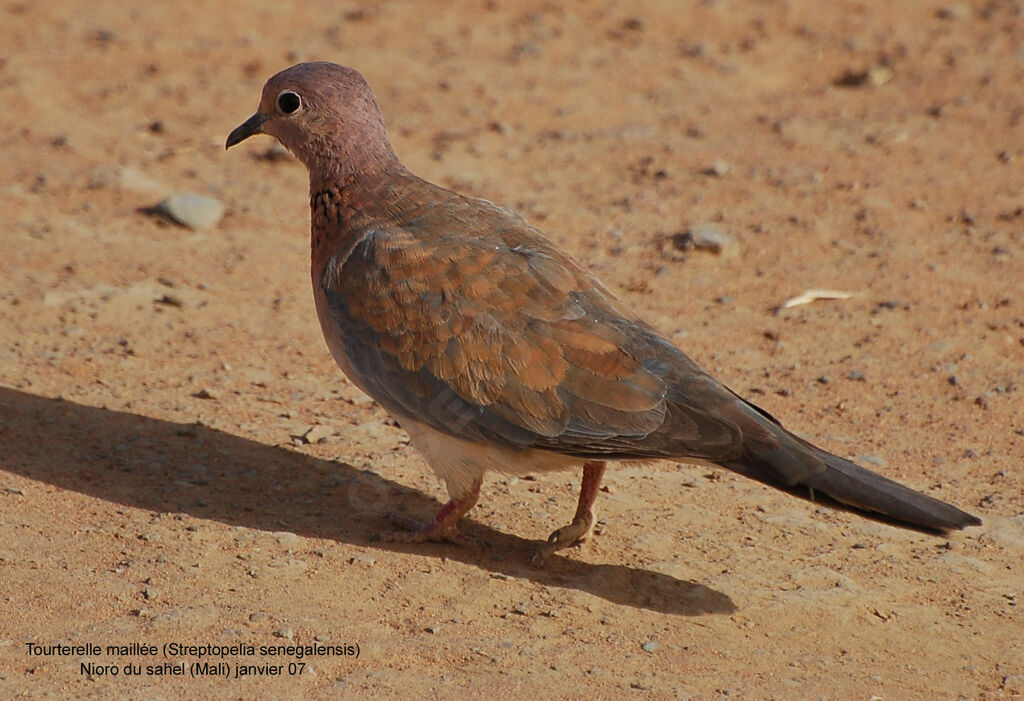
{"points": [[856, 488]]}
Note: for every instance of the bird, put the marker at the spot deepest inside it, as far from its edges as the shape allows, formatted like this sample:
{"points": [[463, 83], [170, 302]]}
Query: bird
{"points": [[496, 351]]}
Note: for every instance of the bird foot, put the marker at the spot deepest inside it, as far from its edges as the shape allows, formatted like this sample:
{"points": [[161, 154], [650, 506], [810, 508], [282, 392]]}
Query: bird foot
{"points": [[566, 536], [413, 531], [443, 527]]}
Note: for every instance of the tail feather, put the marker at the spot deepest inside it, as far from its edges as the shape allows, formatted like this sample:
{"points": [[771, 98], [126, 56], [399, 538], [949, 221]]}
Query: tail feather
{"points": [[862, 490]]}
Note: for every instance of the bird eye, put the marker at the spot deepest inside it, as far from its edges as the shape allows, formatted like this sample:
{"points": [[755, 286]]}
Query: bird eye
{"points": [[288, 102]]}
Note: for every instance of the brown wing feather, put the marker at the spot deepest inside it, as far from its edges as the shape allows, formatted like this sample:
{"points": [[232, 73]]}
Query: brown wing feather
{"points": [[462, 316]]}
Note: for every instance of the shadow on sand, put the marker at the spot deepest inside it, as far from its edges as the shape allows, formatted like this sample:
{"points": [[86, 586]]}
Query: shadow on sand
{"points": [[167, 467]]}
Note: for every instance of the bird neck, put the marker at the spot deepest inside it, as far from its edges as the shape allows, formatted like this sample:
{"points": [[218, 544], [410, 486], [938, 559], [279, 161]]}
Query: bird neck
{"points": [[342, 206], [353, 166]]}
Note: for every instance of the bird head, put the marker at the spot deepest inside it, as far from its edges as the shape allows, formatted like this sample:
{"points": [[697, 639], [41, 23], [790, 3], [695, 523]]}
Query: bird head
{"points": [[326, 115]]}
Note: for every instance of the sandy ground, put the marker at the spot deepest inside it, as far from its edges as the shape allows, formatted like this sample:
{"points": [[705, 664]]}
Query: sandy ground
{"points": [[156, 382]]}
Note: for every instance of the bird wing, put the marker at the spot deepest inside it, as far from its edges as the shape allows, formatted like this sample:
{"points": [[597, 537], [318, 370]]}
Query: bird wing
{"points": [[460, 315]]}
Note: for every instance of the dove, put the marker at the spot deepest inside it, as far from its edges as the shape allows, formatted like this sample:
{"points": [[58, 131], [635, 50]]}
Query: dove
{"points": [[496, 351]]}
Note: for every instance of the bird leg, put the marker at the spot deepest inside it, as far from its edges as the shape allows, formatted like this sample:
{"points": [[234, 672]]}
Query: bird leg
{"points": [[583, 522], [444, 525]]}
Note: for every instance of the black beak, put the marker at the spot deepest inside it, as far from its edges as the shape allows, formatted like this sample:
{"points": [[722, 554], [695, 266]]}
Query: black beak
{"points": [[248, 128]]}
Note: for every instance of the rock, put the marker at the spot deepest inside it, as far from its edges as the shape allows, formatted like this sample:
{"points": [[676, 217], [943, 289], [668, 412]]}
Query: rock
{"points": [[955, 11], [718, 169], [707, 237], [131, 179], [286, 633], [317, 434], [651, 646], [192, 210], [879, 75], [286, 538]]}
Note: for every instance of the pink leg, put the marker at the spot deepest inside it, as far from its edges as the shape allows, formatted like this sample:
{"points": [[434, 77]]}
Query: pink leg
{"points": [[444, 525], [583, 522]]}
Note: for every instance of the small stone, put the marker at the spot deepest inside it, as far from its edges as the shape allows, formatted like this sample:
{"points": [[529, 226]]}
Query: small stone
{"points": [[151, 593], [955, 11], [132, 179], [706, 237], [362, 559], [207, 393], [316, 434], [520, 609], [192, 210], [824, 379], [718, 168], [871, 460], [879, 75], [286, 537], [856, 376], [170, 301], [286, 633], [433, 630], [651, 646], [257, 617]]}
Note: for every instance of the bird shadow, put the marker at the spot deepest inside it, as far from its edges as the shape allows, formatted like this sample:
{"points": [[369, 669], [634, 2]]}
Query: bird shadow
{"points": [[164, 466]]}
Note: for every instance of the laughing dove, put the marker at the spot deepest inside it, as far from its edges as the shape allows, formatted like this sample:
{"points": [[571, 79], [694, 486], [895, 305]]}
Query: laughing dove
{"points": [[495, 350]]}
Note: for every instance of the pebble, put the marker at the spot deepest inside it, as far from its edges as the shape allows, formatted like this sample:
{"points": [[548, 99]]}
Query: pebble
{"points": [[286, 537], [362, 559], [287, 633], [316, 434], [872, 460], [955, 11], [257, 617], [132, 179], [192, 210], [707, 237], [207, 393], [856, 375], [651, 646], [151, 593], [718, 168]]}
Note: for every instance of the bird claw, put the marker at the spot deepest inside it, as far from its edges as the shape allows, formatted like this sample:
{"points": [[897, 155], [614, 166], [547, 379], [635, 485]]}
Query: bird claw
{"points": [[566, 536], [413, 531]]}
